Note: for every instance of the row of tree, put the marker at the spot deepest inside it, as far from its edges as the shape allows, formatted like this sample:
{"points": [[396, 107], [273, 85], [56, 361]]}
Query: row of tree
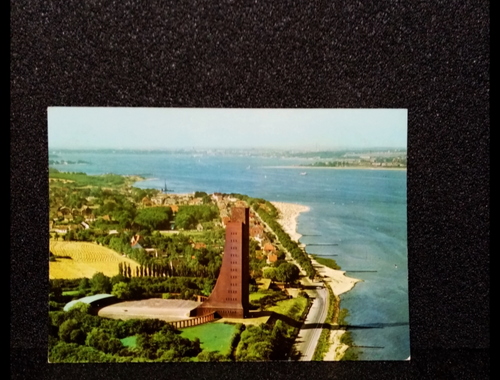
{"points": [[283, 272], [131, 288]]}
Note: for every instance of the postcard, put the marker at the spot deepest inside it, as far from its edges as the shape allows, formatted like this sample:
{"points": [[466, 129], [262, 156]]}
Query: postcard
{"points": [[194, 235]]}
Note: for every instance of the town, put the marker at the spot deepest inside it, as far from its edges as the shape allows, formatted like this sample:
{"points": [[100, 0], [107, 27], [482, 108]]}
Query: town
{"points": [[130, 267]]}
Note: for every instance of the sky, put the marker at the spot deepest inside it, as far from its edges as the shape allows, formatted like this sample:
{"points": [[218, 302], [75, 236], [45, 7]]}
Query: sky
{"points": [[205, 128]]}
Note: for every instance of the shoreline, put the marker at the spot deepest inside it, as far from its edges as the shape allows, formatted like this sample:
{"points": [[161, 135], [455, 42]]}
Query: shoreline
{"points": [[335, 279], [289, 213]]}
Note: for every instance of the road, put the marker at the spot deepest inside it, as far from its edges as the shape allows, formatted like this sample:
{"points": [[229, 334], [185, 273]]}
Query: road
{"points": [[307, 338], [309, 333]]}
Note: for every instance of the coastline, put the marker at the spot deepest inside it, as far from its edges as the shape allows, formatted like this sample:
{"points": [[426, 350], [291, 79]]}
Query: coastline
{"points": [[336, 279]]}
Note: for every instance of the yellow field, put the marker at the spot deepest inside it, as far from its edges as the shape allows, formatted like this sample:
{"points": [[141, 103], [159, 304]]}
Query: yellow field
{"points": [[86, 260]]}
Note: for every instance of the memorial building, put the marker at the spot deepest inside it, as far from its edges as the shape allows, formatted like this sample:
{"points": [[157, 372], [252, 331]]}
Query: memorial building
{"points": [[230, 296]]}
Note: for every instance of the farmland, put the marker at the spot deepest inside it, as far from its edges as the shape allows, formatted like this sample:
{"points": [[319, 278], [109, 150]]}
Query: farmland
{"points": [[83, 259]]}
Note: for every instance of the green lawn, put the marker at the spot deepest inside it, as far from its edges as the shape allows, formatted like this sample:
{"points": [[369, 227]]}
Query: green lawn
{"points": [[71, 293], [130, 341], [256, 296], [213, 336], [292, 308]]}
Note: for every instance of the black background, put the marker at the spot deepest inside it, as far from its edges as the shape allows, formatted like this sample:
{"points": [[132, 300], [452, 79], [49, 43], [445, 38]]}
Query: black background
{"points": [[429, 57]]}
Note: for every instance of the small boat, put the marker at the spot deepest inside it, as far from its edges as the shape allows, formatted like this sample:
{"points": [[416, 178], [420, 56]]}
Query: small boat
{"points": [[303, 173]]}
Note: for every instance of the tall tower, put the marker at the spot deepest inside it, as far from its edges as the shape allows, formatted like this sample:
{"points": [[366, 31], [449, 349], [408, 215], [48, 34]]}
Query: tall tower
{"points": [[229, 297]]}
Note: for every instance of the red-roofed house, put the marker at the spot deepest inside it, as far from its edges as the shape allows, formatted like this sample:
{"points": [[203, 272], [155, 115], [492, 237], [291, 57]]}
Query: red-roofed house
{"points": [[269, 248], [272, 258]]}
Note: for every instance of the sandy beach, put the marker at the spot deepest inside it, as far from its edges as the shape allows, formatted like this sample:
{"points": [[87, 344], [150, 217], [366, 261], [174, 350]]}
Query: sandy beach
{"points": [[288, 218]]}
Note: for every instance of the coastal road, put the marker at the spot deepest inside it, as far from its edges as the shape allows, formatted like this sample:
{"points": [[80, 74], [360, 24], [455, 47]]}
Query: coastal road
{"points": [[309, 333]]}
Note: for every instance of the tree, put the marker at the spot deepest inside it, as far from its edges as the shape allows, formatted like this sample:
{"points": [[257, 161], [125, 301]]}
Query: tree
{"points": [[80, 307], [287, 273], [122, 291], [70, 332], [154, 218], [102, 341], [270, 273], [212, 356], [100, 283], [118, 278]]}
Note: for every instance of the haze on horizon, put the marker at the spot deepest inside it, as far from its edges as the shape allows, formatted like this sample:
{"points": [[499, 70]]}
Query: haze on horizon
{"points": [[225, 128]]}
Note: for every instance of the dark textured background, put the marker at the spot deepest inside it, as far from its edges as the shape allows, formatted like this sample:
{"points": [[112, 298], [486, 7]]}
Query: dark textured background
{"points": [[430, 57]]}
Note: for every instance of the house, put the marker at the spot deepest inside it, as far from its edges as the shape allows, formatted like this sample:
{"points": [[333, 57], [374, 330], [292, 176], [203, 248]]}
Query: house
{"points": [[146, 201], [269, 248], [134, 242], [272, 258], [257, 231]]}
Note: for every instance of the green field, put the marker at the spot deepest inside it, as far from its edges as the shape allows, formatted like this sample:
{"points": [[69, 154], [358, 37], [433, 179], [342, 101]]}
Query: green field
{"points": [[256, 296], [130, 341], [71, 293], [213, 336], [292, 308]]}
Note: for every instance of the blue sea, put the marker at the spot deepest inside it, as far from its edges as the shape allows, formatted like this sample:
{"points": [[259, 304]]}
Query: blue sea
{"points": [[360, 214]]}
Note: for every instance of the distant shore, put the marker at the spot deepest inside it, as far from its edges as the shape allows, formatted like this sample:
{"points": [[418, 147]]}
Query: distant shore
{"points": [[305, 168]]}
